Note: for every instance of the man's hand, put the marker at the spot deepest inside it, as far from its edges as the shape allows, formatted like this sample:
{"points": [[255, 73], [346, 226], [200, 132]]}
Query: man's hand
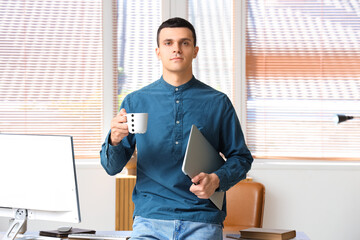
{"points": [[204, 185], [119, 129]]}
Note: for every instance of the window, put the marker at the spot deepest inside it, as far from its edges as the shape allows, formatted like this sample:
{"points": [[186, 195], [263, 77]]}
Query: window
{"points": [[302, 67], [137, 24], [213, 22], [51, 70]]}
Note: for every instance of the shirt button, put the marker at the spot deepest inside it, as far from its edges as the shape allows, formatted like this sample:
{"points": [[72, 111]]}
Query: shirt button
{"points": [[177, 122], [177, 101], [176, 89], [176, 142]]}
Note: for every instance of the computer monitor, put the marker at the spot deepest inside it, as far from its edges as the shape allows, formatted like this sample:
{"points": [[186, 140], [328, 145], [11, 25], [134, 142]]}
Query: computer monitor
{"points": [[38, 180]]}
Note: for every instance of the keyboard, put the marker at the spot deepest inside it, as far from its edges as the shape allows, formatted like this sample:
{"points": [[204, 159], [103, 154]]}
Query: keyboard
{"points": [[97, 236]]}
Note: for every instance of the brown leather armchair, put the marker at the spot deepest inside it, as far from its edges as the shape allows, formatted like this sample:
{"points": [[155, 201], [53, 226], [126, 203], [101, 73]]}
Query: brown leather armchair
{"points": [[245, 206]]}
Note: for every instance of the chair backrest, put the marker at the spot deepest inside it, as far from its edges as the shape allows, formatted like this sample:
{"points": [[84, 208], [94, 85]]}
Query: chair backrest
{"points": [[245, 206]]}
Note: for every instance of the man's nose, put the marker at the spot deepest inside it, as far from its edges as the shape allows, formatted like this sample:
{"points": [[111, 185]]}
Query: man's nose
{"points": [[177, 48]]}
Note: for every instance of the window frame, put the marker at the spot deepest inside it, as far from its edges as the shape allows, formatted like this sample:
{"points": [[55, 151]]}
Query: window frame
{"points": [[108, 61]]}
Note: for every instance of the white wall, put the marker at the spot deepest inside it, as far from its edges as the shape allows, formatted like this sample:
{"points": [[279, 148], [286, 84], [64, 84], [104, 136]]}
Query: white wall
{"points": [[319, 199]]}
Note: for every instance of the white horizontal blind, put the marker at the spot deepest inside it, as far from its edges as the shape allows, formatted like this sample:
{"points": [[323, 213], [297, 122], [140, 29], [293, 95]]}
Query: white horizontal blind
{"points": [[303, 66], [138, 66], [213, 21], [51, 70]]}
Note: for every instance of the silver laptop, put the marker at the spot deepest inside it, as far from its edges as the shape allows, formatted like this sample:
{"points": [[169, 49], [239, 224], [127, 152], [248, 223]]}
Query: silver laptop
{"points": [[201, 156]]}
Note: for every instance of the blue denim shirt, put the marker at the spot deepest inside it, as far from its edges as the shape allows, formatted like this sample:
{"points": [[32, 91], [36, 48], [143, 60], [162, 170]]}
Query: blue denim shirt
{"points": [[162, 189]]}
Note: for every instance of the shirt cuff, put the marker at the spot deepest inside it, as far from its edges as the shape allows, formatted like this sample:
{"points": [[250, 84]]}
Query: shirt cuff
{"points": [[110, 149], [223, 185]]}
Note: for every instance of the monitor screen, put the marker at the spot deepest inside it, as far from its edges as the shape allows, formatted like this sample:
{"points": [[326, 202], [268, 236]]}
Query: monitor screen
{"points": [[37, 174]]}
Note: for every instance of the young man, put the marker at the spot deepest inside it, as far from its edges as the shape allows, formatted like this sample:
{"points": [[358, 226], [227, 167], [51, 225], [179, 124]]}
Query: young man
{"points": [[168, 205]]}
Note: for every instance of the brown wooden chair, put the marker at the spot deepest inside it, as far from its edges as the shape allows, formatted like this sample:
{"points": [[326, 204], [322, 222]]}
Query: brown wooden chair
{"points": [[245, 206]]}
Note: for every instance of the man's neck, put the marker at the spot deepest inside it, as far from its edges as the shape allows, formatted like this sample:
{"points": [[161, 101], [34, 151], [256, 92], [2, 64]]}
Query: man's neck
{"points": [[177, 79]]}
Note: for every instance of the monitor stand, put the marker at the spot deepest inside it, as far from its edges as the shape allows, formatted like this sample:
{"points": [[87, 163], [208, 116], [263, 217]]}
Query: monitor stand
{"points": [[20, 220]]}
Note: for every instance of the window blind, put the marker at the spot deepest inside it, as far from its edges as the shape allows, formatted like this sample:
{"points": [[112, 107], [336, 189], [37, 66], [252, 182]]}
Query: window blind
{"points": [[303, 66], [213, 23], [51, 70], [137, 24]]}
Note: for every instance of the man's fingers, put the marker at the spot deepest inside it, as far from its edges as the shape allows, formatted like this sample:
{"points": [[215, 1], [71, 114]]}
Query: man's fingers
{"points": [[122, 112], [207, 185], [197, 179], [118, 125], [119, 128], [199, 191], [119, 119], [120, 116], [117, 134]]}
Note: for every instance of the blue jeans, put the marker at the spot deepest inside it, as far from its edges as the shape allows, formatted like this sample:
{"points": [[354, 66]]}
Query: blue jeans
{"points": [[145, 228]]}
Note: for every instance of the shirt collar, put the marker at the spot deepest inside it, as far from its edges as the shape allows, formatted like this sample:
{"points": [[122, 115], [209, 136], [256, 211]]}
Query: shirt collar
{"points": [[178, 88]]}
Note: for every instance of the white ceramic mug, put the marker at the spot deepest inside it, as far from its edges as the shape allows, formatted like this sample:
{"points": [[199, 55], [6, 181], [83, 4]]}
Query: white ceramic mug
{"points": [[137, 122]]}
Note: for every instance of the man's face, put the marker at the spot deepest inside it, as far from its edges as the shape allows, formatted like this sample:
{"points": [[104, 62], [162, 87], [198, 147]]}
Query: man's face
{"points": [[176, 50]]}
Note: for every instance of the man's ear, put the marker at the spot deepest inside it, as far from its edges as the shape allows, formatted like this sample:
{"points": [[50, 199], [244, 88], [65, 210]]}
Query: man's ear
{"points": [[157, 52], [196, 50]]}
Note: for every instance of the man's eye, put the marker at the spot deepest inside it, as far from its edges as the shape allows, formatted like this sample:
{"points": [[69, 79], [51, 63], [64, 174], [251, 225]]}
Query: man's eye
{"points": [[167, 43], [186, 43]]}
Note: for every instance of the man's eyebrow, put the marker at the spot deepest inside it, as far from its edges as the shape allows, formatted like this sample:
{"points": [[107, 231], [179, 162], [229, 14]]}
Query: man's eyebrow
{"points": [[181, 39]]}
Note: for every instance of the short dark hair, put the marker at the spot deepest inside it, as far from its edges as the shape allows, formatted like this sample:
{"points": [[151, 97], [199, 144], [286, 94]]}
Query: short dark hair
{"points": [[176, 23]]}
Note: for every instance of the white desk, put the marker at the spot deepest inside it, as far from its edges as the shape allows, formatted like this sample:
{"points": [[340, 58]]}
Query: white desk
{"points": [[299, 235]]}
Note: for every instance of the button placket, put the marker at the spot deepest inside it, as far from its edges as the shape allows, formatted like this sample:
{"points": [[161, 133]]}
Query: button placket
{"points": [[178, 120]]}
